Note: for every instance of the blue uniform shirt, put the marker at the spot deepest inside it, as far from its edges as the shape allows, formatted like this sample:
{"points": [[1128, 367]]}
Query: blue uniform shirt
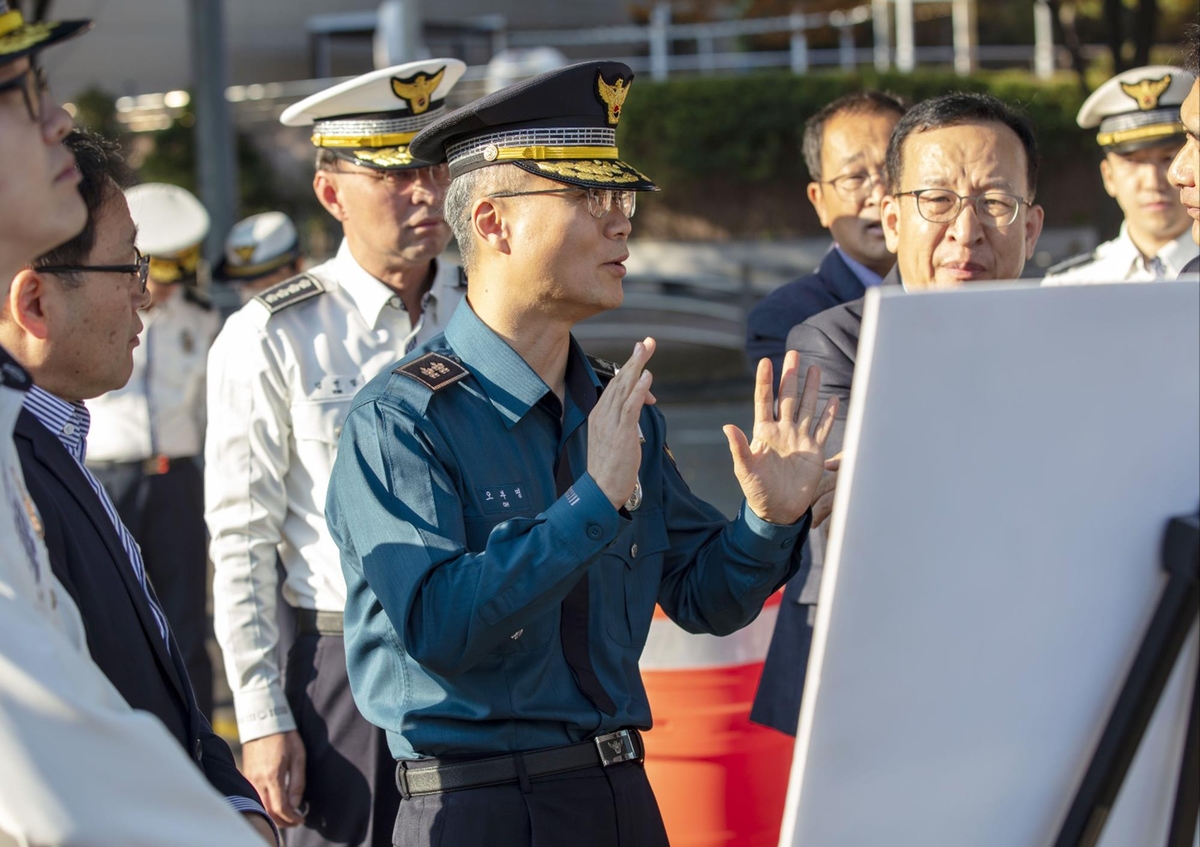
{"points": [[458, 553]]}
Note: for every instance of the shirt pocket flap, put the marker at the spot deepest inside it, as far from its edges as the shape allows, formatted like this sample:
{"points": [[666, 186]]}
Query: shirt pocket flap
{"points": [[648, 538]]}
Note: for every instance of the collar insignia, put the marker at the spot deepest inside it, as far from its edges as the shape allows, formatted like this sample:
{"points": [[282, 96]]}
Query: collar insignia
{"points": [[1147, 92], [613, 96], [417, 89]]}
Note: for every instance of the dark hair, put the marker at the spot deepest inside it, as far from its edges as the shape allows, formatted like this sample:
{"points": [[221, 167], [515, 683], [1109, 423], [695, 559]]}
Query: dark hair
{"points": [[102, 170], [1191, 49], [955, 109], [859, 103]]}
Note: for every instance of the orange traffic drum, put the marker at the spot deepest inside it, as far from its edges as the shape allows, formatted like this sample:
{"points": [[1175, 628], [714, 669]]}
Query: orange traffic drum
{"points": [[720, 780]]}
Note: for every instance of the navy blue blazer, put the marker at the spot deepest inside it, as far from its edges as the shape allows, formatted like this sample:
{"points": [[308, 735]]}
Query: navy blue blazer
{"points": [[769, 322], [830, 341], [87, 557]]}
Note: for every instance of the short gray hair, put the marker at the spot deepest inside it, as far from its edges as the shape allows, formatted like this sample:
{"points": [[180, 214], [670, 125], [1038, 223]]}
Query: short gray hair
{"points": [[460, 202]]}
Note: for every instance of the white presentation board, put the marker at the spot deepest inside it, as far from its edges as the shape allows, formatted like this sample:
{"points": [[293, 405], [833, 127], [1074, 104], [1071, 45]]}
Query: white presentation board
{"points": [[1013, 455]]}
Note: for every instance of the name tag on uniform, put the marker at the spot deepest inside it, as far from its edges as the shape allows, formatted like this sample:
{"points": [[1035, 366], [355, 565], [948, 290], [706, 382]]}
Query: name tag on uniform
{"points": [[506, 497]]}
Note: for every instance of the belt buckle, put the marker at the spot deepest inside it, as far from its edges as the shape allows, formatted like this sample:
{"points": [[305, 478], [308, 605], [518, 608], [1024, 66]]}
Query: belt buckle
{"points": [[617, 747], [156, 465]]}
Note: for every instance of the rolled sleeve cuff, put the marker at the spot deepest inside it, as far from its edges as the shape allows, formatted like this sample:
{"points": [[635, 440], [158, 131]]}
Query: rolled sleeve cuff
{"points": [[262, 712], [768, 542], [584, 519], [246, 806]]}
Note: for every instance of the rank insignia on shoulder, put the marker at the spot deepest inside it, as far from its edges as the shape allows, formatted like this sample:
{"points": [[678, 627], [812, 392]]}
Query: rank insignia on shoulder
{"points": [[290, 292], [433, 370], [604, 369]]}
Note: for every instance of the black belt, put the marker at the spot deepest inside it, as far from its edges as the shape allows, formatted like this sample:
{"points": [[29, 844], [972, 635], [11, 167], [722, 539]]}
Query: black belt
{"points": [[416, 777], [316, 622], [154, 466]]}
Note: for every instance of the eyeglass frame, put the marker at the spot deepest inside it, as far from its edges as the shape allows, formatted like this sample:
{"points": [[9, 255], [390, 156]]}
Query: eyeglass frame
{"points": [[141, 267], [392, 176], [873, 179], [962, 198], [588, 193], [34, 75]]}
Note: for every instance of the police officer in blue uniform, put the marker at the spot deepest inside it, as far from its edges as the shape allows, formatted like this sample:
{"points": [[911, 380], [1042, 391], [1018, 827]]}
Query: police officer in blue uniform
{"points": [[508, 512]]}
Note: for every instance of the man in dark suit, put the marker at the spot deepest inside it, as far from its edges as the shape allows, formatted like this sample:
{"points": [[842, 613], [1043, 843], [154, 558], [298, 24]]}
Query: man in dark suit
{"points": [[1184, 172], [71, 320], [844, 147], [962, 171]]}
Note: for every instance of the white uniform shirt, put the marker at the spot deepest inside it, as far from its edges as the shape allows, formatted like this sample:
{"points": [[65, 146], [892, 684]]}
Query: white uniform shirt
{"points": [[280, 385], [160, 411], [1120, 260], [79, 766]]}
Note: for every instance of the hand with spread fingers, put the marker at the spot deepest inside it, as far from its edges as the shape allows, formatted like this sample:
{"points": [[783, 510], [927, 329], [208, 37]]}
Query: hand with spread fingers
{"points": [[614, 449], [780, 468]]}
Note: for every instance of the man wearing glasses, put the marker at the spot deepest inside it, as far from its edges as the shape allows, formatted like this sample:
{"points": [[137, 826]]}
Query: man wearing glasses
{"points": [[71, 320], [147, 436], [962, 172], [508, 513], [844, 147], [282, 375]]}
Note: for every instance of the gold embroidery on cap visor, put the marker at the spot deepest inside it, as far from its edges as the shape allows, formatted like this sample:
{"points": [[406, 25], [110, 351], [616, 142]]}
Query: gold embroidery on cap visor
{"points": [[168, 269], [240, 271], [391, 139], [613, 96], [598, 172], [383, 157], [1110, 139], [1147, 92], [25, 37], [417, 90]]}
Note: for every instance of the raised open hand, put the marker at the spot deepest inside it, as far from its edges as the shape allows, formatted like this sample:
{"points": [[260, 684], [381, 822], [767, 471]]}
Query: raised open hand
{"points": [[780, 469]]}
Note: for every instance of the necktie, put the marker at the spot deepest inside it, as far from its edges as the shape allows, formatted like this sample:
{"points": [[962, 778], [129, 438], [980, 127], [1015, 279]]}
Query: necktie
{"points": [[574, 619]]}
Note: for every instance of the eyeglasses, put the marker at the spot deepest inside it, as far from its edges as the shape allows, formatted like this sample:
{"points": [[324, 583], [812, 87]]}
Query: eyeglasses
{"points": [[405, 179], [141, 268], [33, 86], [600, 201], [993, 208], [856, 186]]}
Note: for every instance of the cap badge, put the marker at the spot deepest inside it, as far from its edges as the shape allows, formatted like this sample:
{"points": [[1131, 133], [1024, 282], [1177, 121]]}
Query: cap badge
{"points": [[245, 253], [1147, 92], [417, 89], [613, 96]]}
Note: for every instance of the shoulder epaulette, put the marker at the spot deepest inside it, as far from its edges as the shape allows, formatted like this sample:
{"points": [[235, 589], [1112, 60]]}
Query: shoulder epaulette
{"points": [[604, 369], [1073, 262], [433, 370], [290, 292]]}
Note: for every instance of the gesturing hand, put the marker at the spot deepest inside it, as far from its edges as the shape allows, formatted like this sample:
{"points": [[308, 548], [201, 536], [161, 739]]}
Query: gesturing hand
{"points": [[780, 469], [614, 450]]}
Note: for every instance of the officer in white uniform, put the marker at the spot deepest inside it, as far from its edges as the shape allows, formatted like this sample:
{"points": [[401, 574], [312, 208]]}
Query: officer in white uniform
{"points": [[282, 374], [147, 438], [77, 765], [260, 251], [1136, 114]]}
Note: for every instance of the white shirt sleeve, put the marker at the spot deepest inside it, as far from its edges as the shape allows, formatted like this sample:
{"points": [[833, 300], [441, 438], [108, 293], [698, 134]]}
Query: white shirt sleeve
{"points": [[79, 766], [246, 462]]}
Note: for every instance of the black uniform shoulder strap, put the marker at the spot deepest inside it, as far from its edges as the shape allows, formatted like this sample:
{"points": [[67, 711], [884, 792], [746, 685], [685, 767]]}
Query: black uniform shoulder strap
{"points": [[290, 292]]}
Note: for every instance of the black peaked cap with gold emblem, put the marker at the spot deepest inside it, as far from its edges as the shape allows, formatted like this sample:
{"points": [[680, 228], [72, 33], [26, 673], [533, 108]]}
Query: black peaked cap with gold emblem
{"points": [[370, 120], [561, 125], [21, 38]]}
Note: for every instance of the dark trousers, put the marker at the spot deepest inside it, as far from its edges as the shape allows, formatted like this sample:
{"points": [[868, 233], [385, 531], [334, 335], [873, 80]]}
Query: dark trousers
{"points": [[593, 807], [350, 784], [165, 515]]}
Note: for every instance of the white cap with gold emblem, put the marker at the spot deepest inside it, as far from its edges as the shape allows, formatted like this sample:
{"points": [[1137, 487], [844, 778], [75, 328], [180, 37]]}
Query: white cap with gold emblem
{"points": [[1137, 108], [370, 119], [172, 225], [258, 245]]}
